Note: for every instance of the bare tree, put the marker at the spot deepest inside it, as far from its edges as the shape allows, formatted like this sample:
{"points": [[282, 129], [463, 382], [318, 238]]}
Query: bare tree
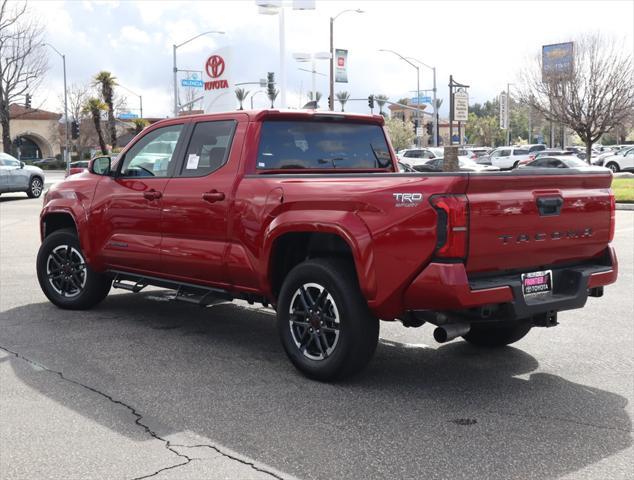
{"points": [[23, 59], [78, 94], [597, 97]]}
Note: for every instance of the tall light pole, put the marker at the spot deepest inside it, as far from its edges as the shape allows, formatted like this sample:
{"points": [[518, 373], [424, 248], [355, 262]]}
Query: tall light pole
{"points": [[276, 7], [433, 69], [331, 96], [417, 87], [175, 69], [67, 146], [312, 57], [136, 95], [508, 107]]}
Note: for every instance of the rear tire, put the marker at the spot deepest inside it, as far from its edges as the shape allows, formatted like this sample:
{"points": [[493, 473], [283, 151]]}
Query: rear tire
{"points": [[614, 167], [515, 165], [35, 187], [324, 323], [65, 277], [498, 335]]}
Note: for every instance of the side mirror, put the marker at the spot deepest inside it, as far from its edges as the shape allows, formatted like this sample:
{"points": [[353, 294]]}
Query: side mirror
{"points": [[22, 164], [100, 166]]}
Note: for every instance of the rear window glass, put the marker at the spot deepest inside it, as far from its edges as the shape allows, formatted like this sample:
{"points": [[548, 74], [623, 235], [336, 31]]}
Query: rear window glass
{"points": [[322, 145]]}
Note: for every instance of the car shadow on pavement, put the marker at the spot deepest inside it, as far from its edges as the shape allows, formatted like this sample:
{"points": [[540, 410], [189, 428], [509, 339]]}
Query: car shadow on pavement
{"points": [[417, 412], [4, 198]]}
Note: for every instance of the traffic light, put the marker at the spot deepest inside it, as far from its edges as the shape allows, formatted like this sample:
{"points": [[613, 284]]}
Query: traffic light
{"points": [[371, 102], [429, 128], [415, 126], [27, 101], [74, 129]]}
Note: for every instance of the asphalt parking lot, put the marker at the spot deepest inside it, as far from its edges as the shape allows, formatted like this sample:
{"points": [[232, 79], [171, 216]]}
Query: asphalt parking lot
{"points": [[142, 387]]}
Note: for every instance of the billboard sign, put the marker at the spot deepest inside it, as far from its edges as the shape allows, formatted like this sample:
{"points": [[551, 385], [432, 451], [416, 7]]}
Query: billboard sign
{"points": [[557, 61], [341, 66], [503, 110], [217, 95], [460, 106]]}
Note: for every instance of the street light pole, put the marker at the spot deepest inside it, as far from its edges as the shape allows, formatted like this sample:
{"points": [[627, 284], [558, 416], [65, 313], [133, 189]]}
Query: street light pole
{"points": [[435, 120], [417, 86], [175, 68], [67, 139], [136, 95], [175, 71], [331, 96], [508, 107]]}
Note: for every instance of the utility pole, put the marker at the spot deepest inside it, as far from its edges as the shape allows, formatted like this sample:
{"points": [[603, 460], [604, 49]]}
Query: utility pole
{"points": [[67, 140], [530, 126], [508, 107]]}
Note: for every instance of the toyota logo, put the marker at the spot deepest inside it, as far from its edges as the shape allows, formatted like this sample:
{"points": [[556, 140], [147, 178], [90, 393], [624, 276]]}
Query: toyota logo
{"points": [[215, 66]]}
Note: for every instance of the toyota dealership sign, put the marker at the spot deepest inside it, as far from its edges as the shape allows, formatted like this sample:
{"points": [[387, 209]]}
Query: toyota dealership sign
{"points": [[218, 95]]}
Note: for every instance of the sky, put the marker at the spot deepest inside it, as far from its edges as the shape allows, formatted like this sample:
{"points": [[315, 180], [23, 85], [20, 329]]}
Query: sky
{"points": [[484, 44]]}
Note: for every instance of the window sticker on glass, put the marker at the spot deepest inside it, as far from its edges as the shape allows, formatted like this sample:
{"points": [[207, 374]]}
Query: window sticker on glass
{"points": [[192, 161]]}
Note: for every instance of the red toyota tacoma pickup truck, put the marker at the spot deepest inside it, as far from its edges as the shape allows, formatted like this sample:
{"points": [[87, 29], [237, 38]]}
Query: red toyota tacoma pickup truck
{"points": [[306, 211]]}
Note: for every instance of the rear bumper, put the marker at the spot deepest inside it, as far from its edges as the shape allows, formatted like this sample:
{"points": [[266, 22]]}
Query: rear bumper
{"points": [[446, 287]]}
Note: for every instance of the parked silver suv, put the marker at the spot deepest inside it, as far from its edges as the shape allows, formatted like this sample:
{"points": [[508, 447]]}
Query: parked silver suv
{"points": [[15, 176]]}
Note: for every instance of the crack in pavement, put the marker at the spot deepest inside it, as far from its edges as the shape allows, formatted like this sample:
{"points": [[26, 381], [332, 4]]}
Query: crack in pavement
{"points": [[231, 457], [137, 421]]}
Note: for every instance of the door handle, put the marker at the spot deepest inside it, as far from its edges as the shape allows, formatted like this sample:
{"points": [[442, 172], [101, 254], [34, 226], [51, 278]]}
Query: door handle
{"points": [[213, 196], [549, 206], [152, 194]]}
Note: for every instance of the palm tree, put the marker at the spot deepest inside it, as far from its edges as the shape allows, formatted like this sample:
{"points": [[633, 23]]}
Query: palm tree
{"points": [[342, 98], [106, 82], [94, 106], [272, 94], [241, 95], [314, 97], [380, 101], [139, 124]]}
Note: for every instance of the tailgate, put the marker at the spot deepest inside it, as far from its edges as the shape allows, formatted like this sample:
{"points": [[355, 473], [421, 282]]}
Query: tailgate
{"points": [[526, 221]]}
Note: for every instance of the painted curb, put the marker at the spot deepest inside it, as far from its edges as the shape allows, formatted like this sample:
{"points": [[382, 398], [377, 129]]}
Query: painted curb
{"points": [[625, 206]]}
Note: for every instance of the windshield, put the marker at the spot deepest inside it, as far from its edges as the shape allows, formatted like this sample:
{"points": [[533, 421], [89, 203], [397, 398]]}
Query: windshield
{"points": [[322, 145]]}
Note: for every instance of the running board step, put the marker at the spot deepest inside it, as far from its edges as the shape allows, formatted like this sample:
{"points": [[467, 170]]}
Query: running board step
{"points": [[184, 292]]}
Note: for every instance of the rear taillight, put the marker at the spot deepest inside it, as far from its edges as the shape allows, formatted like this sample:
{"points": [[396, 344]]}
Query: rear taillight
{"points": [[612, 215], [453, 219]]}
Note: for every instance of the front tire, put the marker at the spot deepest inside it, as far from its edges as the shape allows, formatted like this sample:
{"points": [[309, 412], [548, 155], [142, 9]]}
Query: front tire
{"points": [[324, 323], [614, 167], [65, 277], [35, 187], [498, 335]]}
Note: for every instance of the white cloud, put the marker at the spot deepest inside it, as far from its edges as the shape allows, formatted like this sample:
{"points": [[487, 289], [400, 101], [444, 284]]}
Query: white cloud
{"points": [[132, 34]]}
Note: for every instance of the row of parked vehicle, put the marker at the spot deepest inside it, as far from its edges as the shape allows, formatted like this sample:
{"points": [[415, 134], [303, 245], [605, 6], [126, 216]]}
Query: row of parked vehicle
{"points": [[475, 159]]}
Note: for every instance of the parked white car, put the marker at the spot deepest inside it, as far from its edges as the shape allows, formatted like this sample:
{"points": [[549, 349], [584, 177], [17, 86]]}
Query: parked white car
{"points": [[508, 157], [415, 156], [622, 161], [15, 176]]}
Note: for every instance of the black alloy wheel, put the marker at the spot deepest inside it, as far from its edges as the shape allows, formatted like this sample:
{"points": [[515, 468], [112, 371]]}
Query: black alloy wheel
{"points": [[314, 321]]}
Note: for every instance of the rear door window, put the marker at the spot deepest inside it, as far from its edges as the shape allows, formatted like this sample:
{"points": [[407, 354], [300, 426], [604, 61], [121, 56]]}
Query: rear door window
{"points": [[208, 148], [322, 145]]}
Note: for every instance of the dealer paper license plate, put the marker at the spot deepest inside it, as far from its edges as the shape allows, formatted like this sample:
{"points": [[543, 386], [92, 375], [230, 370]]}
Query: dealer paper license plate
{"points": [[535, 283]]}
